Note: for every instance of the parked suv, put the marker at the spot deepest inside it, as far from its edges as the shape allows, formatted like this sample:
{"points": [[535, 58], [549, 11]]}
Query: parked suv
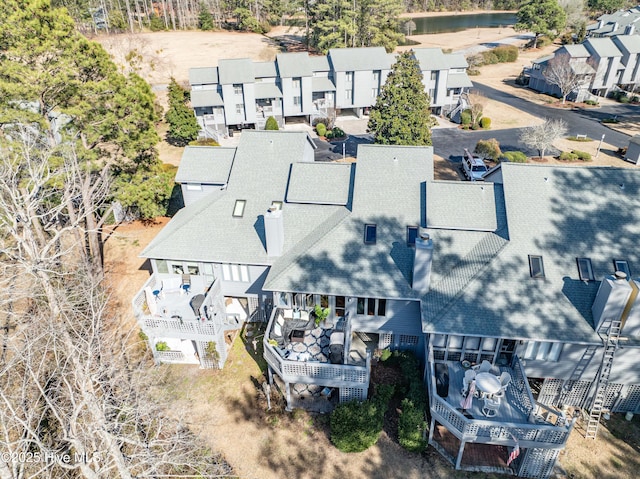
{"points": [[473, 167]]}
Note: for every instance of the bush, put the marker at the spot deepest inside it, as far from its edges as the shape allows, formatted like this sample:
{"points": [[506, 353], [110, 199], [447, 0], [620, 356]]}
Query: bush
{"points": [[411, 425], [582, 155], [514, 157], [156, 24], [328, 122], [386, 354], [489, 58], [321, 129], [485, 123], [271, 124], [356, 426], [506, 53], [566, 156], [591, 102], [635, 99], [465, 117], [337, 132], [204, 142], [624, 99], [162, 346], [581, 138], [488, 148]]}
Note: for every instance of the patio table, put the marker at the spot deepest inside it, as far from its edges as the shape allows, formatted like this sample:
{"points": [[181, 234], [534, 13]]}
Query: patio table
{"points": [[487, 384]]}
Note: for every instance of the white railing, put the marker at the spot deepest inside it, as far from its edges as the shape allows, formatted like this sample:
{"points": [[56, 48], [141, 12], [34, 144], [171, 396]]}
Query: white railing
{"points": [[213, 120], [170, 356], [170, 327]]}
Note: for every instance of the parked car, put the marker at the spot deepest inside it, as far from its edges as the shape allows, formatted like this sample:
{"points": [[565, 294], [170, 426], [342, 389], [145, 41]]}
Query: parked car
{"points": [[473, 167]]}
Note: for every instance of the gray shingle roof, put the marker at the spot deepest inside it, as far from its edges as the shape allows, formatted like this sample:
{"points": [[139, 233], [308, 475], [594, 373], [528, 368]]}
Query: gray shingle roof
{"points": [[235, 70], [319, 63], [575, 51], [458, 80], [202, 98], [205, 165], [322, 84], [461, 205], [360, 59], [559, 213], [265, 69], [267, 90], [431, 59], [203, 75], [206, 231], [630, 43], [319, 183], [456, 60], [604, 47], [292, 65]]}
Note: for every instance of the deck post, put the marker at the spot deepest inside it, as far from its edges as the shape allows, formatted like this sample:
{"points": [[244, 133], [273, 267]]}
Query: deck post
{"points": [[460, 452], [270, 375], [287, 389], [433, 425]]}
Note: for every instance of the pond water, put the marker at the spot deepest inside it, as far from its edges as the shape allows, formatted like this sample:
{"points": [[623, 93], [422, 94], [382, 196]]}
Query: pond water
{"points": [[459, 22]]}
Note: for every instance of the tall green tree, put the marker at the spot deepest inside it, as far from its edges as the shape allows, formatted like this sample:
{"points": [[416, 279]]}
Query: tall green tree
{"points": [[606, 6], [401, 115], [52, 76], [332, 24], [542, 17], [378, 23], [183, 126]]}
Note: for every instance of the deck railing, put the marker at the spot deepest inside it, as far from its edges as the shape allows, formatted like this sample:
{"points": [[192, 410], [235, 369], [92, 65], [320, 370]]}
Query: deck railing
{"points": [[314, 372], [170, 356]]}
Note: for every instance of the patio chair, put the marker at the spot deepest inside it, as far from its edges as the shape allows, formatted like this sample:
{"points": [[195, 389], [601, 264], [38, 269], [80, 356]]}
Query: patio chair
{"points": [[469, 376], [505, 379], [485, 367], [336, 348], [491, 406], [186, 282]]}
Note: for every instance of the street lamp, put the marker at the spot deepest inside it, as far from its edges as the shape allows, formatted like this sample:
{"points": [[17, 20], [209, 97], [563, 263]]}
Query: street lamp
{"points": [[599, 146]]}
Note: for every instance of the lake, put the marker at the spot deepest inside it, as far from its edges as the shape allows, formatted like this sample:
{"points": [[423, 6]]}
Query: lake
{"points": [[459, 22]]}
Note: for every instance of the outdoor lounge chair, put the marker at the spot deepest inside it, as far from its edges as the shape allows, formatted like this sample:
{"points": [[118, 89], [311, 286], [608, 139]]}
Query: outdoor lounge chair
{"points": [[442, 379], [336, 348]]}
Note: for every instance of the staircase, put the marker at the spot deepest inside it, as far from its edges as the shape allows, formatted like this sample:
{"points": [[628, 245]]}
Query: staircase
{"points": [[610, 347], [580, 368]]}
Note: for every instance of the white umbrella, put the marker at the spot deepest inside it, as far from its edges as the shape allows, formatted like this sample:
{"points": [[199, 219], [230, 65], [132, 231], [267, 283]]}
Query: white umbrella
{"points": [[468, 400]]}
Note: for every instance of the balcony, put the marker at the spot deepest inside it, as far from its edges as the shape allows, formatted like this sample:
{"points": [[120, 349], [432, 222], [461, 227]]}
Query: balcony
{"points": [[460, 435], [164, 307], [306, 360]]}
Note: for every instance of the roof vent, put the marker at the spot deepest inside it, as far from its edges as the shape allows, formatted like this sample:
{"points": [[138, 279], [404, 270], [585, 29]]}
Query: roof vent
{"points": [[546, 179], [621, 186], [620, 275]]}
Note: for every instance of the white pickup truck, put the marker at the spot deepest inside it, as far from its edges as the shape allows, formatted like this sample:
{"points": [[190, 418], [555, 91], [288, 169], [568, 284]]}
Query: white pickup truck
{"points": [[473, 167]]}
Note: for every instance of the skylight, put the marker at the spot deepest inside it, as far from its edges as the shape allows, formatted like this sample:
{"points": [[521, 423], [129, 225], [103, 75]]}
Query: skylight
{"points": [[585, 270], [622, 265], [369, 234], [536, 267], [276, 205], [412, 234], [238, 208]]}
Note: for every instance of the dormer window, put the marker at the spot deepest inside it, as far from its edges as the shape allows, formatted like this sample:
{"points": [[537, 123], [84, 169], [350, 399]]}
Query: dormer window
{"points": [[536, 267], [369, 234], [585, 269], [238, 208], [412, 234]]}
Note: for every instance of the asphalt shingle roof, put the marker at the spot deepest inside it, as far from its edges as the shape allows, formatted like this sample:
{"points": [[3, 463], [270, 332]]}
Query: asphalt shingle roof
{"points": [[461, 205], [235, 70], [267, 90], [319, 183], [202, 98], [203, 75], [205, 165], [360, 59], [630, 43], [292, 65], [604, 47]]}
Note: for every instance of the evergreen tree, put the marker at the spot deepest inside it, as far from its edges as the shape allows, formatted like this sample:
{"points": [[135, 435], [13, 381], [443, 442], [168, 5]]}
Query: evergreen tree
{"points": [[205, 19], [271, 124], [401, 115], [542, 17], [378, 23], [183, 126]]}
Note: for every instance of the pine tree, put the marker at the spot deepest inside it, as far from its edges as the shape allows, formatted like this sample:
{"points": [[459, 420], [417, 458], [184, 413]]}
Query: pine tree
{"points": [[271, 124], [183, 126], [401, 115], [205, 19]]}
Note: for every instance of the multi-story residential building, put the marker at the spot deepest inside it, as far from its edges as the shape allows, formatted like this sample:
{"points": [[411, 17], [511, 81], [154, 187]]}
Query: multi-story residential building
{"points": [[516, 271], [622, 22], [241, 93], [603, 63]]}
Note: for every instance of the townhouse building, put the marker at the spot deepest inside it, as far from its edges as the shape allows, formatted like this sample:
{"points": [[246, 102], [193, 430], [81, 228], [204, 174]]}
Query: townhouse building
{"points": [[529, 272], [240, 93], [622, 22]]}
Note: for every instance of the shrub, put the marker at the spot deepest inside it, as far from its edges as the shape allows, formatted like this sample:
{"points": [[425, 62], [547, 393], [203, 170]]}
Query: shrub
{"points": [[321, 129], [611, 120], [514, 157], [624, 99], [328, 122], [204, 142], [566, 156], [635, 99], [386, 354], [581, 138], [142, 335], [506, 53], [356, 426], [338, 132], [591, 102], [544, 41], [488, 148], [411, 425], [162, 346], [271, 124], [485, 123], [582, 155], [489, 58], [465, 117], [156, 24]]}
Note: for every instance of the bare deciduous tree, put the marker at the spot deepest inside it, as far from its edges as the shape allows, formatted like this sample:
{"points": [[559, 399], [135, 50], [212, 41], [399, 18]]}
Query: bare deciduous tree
{"points": [[477, 102], [541, 137], [565, 75]]}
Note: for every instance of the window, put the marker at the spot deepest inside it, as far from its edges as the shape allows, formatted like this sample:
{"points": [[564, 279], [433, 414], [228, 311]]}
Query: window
{"points": [[297, 100], [374, 92], [622, 265], [376, 77], [348, 94], [360, 308], [177, 269], [239, 108], [432, 93], [238, 208], [284, 299], [295, 83], [235, 272], [324, 301], [162, 266], [369, 234], [412, 234], [340, 306], [407, 340], [382, 307], [310, 302], [374, 307], [349, 78], [192, 268], [237, 89], [585, 270], [434, 75], [543, 351], [536, 267], [371, 307]]}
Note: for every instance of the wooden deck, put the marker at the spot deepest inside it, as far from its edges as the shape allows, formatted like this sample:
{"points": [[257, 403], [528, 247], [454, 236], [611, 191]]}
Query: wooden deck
{"points": [[511, 410], [475, 455]]}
